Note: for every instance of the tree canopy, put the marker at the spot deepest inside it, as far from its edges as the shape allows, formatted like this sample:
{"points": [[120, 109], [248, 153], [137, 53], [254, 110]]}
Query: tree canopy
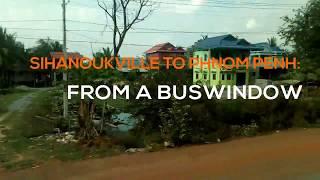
{"points": [[11, 52], [302, 33], [272, 42], [45, 46]]}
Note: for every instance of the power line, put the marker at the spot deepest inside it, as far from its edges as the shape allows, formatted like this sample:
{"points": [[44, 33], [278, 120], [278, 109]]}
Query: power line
{"points": [[202, 12], [216, 4], [137, 28], [246, 3], [156, 31], [31, 20], [83, 35], [93, 42], [33, 29], [146, 30], [222, 6]]}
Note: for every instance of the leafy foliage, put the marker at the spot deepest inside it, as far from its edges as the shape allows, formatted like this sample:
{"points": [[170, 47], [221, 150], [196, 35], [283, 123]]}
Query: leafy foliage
{"points": [[175, 123], [302, 32], [45, 47], [11, 53], [272, 42]]}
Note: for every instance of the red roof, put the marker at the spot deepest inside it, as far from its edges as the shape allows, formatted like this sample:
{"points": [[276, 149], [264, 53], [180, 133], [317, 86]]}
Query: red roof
{"points": [[58, 55], [165, 47]]}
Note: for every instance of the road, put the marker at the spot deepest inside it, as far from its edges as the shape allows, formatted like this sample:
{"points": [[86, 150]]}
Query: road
{"points": [[18, 106], [294, 154]]}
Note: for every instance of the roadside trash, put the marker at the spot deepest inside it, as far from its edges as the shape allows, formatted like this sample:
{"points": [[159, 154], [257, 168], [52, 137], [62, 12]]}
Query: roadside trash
{"points": [[135, 150], [64, 138]]}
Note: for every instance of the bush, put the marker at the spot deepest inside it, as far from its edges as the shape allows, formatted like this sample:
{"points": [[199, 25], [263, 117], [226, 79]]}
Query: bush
{"points": [[175, 123], [128, 140], [184, 122]]}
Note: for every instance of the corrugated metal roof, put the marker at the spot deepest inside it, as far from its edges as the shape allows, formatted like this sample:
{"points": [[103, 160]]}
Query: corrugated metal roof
{"points": [[58, 55], [137, 63], [165, 47], [225, 41], [267, 47]]}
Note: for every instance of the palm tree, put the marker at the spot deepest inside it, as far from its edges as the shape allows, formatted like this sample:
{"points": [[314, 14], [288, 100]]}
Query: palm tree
{"points": [[11, 52], [43, 49], [45, 46], [272, 41], [87, 108]]}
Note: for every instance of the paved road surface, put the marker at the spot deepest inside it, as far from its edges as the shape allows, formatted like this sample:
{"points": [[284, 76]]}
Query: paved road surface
{"points": [[287, 155]]}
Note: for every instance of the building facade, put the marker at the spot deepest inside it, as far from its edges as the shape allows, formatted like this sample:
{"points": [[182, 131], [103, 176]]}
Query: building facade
{"points": [[165, 50], [222, 47]]}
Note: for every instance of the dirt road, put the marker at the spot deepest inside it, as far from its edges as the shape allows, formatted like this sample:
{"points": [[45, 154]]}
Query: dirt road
{"points": [[17, 106], [287, 155]]}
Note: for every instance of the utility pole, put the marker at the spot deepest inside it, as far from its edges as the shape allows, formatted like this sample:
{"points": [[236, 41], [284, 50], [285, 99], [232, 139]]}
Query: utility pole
{"points": [[65, 73]]}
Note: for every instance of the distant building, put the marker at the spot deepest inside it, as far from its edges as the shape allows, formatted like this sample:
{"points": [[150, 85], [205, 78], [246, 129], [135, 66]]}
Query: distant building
{"points": [[58, 75], [165, 50], [58, 55], [265, 50], [223, 46], [136, 63], [23, 75], [230, 46]]}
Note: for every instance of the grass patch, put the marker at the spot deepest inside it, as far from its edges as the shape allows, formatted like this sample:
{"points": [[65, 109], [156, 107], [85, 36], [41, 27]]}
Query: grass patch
{"points": [[19, 150], [26, 124], [25, 153], [7, 99], [118, 103]]}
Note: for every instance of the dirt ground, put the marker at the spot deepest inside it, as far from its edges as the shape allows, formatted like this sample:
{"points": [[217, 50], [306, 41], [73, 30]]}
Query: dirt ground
{"points": [[18, 105], [294, 154]]}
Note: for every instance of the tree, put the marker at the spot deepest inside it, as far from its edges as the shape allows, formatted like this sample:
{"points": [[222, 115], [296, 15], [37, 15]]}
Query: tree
{"points": [[43, 49], [88, 107], [302, 33], [45, 46], [272, 42], [204, 37], [192, 49], [11, 53], [123, 18], [104, 53]]}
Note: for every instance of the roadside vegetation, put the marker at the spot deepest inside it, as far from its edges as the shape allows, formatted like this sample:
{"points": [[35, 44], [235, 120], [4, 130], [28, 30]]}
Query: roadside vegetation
{"points": [[192, 122], [8, 96], [37, 132], [23, 144]]}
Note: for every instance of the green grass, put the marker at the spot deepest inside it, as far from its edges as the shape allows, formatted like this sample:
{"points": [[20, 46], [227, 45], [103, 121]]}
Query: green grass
{"points": [[25, 153], [118, 103], [7, 99], [19, 150], [25, 124]]}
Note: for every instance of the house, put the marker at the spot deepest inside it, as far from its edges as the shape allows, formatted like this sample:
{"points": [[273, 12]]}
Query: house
{"points": [[133, 71], [266, 51], [58, 75], [223, 46], [58, 55], [22, 75], [165, 50], [136, 63]]}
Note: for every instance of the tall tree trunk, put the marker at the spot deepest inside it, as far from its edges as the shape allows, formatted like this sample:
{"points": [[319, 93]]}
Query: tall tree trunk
{"points": [[1, 78], [103, 117], [86, 114]]}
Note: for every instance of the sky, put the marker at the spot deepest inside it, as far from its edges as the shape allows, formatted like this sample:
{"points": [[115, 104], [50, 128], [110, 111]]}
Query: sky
{"points": [[254, 20]]}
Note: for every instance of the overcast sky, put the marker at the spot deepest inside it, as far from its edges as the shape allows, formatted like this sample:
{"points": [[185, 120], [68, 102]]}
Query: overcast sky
{"points": [[189, 15]]}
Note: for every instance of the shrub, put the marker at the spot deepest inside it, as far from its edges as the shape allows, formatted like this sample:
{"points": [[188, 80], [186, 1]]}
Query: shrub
{"points": [[250, 130], [175, 123], [128, 140], [189, 121]]}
